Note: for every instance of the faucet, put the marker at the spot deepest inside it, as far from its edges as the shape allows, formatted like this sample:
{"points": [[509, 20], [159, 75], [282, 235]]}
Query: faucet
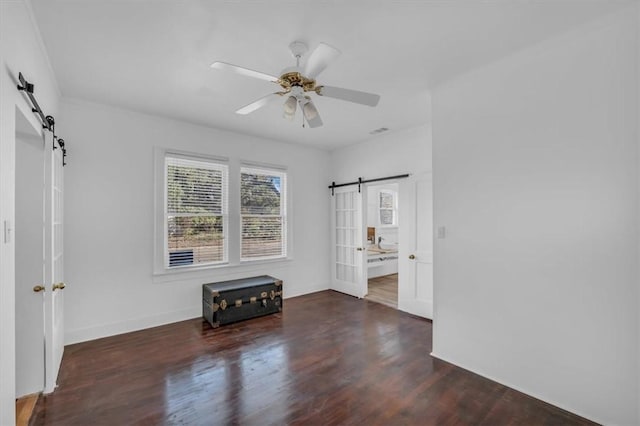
{"points": [[379, 241]]}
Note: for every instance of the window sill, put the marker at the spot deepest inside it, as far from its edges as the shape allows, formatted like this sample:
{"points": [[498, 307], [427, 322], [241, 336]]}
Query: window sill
{"points": [[219, 270]]}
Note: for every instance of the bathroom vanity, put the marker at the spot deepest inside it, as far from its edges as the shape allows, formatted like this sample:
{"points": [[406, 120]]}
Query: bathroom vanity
{"points": [[382, 261]]}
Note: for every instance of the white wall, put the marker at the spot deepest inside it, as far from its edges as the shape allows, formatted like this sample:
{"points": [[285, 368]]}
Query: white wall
{"points": [[536, 180], [109, 215], [397, 152], [21, 50]]}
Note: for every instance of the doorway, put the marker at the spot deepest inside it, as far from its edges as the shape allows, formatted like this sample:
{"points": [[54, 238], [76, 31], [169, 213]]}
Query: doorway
{"points": [[382, 244], [29, 258], [395, 255]]}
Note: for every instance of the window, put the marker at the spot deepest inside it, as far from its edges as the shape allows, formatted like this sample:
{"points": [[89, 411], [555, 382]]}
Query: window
{"points": [[196, 211], [387, 211], [262, 211], [214, 212]]}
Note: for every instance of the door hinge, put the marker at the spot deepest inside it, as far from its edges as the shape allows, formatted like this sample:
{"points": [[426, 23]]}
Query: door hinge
{"points": [[7, 232]]}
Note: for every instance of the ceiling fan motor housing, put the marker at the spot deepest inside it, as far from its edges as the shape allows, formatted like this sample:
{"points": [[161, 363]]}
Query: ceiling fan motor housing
{"points": [[290, 79], [292, 76]]}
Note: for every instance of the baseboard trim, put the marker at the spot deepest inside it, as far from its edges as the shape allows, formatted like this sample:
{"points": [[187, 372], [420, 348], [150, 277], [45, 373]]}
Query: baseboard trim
{"points": [[142, 323], [305, 290], [127, 326], [518, 388]]}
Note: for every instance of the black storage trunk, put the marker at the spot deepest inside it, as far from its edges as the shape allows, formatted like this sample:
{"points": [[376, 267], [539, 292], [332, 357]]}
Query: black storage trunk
{"points": [[230, 301]]}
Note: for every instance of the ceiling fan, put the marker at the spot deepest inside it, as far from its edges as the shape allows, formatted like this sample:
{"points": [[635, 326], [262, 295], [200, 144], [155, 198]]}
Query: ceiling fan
{"points": [[298, 83]]}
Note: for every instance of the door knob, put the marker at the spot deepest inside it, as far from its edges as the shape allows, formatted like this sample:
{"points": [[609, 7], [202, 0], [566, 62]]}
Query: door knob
{"points": [[38, 288], [411, 257], [59, 286], [360, 249]]}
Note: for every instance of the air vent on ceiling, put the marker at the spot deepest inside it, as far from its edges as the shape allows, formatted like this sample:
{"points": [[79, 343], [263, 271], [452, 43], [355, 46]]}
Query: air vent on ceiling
{"points": [[380, 130]]}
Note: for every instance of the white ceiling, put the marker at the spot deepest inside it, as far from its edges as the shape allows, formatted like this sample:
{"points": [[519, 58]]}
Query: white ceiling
{"points": [[153, 56]]}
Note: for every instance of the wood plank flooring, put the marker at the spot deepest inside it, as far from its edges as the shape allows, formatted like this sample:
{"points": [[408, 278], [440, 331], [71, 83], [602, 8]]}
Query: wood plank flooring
{"points": [[327, 359], [24, 408], [384, 290]]}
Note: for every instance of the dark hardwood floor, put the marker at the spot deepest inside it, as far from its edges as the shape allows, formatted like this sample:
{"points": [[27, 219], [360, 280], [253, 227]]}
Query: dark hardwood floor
{"points": [[328, 359]]}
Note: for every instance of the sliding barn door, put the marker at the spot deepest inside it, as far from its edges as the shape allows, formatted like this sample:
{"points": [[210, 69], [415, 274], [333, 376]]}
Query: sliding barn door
{"points": [[349, 260], [55, 268], [30, 290]]}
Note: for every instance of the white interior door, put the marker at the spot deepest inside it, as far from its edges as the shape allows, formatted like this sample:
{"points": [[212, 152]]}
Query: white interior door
{"points": [[29, 264], [415, 255], [54, 269], [349, 260]]}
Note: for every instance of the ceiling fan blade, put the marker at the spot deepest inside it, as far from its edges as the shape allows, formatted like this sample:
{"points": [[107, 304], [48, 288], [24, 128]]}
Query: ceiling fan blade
{"points": [[355, 96], [322, 56], [248, 109], [310, 113], [244, 71]]}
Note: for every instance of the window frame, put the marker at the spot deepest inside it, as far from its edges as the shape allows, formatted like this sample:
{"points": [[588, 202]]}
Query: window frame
{"points": [[162, 274], [218, 165], [394, 208], [284, 207]]}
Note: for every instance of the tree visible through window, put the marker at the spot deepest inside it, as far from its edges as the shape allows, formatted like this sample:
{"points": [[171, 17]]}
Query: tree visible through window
{"points": [[196, 211], [263, 219]]}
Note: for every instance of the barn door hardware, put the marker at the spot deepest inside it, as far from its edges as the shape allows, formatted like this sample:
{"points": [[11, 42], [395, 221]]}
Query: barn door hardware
{"points": [[360, 181], [48, 122]]}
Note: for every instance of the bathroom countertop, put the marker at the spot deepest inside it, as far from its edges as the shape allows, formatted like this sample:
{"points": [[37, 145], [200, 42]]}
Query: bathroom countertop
{"points": [[376, 250]]}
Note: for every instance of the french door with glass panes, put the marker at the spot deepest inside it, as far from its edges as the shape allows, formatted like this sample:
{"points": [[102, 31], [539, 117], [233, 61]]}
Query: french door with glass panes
{"points": [[55, 271], [349, 257]]}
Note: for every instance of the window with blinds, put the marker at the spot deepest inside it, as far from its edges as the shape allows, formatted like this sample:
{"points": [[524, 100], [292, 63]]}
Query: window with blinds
{"points": [[196, 211], [263, 214], [387, 212]]}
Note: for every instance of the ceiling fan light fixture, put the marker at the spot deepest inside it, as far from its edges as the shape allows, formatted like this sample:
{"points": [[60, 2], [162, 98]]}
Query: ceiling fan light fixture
{"points": [[289, 110], [290, 105], [310, 111]]}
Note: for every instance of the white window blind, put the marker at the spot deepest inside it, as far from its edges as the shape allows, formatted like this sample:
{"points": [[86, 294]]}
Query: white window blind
{"points": [[387, 208], [263, 213], [196, 212]]}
